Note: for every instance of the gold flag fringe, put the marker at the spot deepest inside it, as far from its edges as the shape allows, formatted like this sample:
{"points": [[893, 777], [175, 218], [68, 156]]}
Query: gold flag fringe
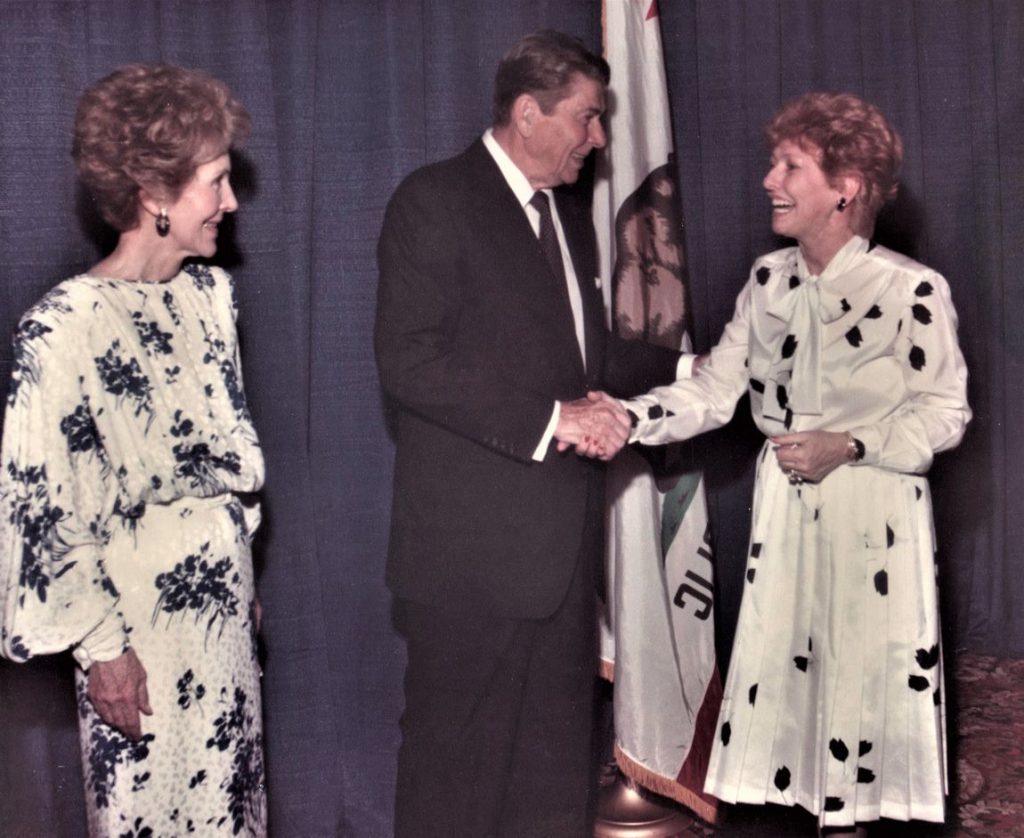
{"points": [[668, 787]]}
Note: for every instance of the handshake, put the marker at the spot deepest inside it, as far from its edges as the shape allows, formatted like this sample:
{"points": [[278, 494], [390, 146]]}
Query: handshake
{"points": [[597, 426]]}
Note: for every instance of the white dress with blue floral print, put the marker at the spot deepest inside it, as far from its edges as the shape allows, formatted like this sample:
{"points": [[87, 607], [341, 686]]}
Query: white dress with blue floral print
{"points": [[834, 699], [128, 452]]}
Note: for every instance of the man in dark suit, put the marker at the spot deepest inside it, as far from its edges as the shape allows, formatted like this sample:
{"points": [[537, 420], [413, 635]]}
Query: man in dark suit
{"points": [[490, 335]]}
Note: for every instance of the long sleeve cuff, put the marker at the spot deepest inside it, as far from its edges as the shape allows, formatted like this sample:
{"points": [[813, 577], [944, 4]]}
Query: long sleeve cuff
{"points": [[107, 641], [885, 447], [684, 367]]}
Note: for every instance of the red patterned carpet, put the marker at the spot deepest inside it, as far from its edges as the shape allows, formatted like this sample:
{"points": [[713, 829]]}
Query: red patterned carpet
{"points": [[990, 737], [987, 749]]}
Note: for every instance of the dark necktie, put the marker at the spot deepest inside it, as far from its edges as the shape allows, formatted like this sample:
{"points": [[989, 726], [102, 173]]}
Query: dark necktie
{"points": [[548, 237]]}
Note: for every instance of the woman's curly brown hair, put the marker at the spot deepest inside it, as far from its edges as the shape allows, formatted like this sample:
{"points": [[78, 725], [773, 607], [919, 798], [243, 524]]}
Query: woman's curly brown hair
{"points": [[853, 137], [151, 126]]}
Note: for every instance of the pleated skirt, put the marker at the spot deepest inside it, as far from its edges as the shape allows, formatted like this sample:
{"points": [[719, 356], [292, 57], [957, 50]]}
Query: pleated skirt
{"points": [[834, 698]]}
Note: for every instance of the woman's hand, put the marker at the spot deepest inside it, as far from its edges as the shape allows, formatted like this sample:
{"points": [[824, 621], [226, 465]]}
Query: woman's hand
{"points": [[811, 455], [117, 689], [597, 426]]}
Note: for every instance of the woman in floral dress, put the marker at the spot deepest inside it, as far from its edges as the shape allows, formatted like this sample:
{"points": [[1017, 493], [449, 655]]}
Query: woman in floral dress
{"points": [[834, 699], [128, 454]]}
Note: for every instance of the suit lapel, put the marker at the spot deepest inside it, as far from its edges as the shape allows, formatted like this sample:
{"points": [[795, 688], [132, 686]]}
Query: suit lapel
{"points": [[520, 261]]}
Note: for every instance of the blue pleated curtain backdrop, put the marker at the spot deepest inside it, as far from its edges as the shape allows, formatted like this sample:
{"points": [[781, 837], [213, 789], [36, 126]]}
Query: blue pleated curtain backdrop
{"points": [[347, 97]]}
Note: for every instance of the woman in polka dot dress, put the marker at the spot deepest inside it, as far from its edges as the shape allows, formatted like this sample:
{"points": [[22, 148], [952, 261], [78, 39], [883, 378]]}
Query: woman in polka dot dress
{"points": [[834, 699]]}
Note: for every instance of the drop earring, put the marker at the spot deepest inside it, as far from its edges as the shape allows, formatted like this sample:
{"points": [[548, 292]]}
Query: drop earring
{"points": [[842, 204], [163, 223]]}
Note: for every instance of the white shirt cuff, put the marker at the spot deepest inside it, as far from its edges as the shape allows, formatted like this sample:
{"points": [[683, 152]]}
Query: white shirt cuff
{"points": [[684, 367], [549, 432]]}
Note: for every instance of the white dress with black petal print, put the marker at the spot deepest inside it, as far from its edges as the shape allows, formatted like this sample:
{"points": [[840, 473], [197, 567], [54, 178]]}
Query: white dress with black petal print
{"points": [[834, 698], [127, 448]]}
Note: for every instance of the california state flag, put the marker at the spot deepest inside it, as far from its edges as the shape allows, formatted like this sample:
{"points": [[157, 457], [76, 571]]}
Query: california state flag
{"points": [[657, 634]]}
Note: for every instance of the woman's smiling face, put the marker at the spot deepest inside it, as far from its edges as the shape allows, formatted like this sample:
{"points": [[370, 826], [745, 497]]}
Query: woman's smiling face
{"points": [[802, 198], [202, 204]]}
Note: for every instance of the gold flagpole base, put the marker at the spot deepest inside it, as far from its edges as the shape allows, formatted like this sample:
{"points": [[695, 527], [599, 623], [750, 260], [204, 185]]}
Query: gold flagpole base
{"points": [[625, 810]]}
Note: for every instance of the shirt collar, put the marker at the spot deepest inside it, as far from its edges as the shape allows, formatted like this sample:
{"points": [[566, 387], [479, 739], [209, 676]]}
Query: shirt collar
{"points": [[514, 176], [838, 264]]}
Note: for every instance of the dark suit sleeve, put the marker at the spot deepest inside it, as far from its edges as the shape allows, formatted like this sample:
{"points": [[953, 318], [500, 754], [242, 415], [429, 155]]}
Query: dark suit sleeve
{"points": [[425, 359], [633, 367]]}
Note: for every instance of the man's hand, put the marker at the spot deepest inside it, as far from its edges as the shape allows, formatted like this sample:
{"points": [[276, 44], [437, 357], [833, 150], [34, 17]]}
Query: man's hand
{"points": [[117, 689], [597, 426]]}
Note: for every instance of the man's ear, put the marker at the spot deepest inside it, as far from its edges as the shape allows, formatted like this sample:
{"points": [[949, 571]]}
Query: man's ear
{"points": [[525, 110]]}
